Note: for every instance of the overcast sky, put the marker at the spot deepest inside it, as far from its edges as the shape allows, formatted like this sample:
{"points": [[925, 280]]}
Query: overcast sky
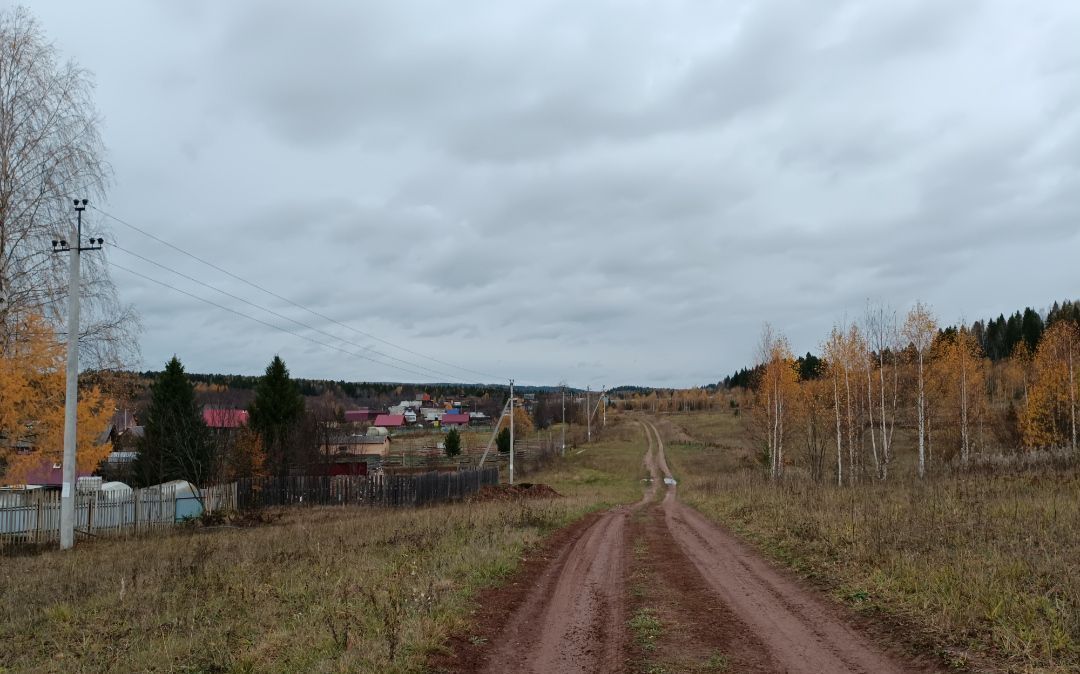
{"points": [[603, 192]]}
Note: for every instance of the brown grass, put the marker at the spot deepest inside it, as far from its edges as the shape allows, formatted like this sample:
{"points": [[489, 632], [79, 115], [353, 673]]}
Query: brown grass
{"points": [[321, 589], [984, 565]]}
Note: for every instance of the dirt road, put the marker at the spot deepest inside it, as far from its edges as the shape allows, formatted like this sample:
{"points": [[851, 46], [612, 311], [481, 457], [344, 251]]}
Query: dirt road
{"points": [[801, 632], [572, 616]]}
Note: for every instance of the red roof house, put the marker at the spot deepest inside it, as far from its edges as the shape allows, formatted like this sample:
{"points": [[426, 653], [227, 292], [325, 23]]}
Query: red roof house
{"points": [[229, 418], [359, 416], [49, 473], [390, 420], [451, 420]]}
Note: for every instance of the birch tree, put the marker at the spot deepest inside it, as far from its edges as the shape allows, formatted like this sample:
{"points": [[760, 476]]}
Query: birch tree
{"points": [[919, 330], [51, 152], [834, 352], [776, 393], [883, 337]]}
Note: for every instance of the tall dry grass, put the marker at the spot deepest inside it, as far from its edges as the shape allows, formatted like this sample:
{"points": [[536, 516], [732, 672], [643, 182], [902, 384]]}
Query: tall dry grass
{"points": [[321, 589], [984, 563]]}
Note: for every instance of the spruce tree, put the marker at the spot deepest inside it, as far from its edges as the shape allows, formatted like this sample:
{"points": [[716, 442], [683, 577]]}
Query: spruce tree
{"points": [[176, 444], [452, 443], [502, 440], [276, 415]]}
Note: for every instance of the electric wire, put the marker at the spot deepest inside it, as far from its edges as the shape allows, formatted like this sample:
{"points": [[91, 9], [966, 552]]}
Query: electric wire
{"points": [[368, 349], [287, 300], [260, 321]]}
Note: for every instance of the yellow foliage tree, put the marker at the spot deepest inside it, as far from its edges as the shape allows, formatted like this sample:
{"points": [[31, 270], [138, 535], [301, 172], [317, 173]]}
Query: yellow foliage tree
{"points": [[522, 422], [32, 387], [1049, 417], [960, 370], [776, 393]]}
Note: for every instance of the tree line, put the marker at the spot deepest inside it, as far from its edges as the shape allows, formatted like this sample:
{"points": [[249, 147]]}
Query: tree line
{"points": [[282, 434], [885, 385]]}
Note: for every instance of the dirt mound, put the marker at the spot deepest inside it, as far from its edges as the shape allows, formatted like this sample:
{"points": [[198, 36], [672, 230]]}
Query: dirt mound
{"points": [[513, 492]]}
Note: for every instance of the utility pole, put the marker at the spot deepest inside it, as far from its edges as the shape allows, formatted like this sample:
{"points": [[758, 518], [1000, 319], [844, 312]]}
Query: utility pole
{"points": [[603, 399], [564, 420], [588, 417], [71, 397], [511, 431]]}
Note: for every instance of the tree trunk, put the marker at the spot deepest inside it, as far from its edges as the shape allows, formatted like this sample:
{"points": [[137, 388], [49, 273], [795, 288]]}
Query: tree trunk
{"points": [[839, 436], [921, 409], [870, 411]]}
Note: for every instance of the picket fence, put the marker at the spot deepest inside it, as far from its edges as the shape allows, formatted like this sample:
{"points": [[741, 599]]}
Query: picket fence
{"points": [[33, 516], [390, 491]]}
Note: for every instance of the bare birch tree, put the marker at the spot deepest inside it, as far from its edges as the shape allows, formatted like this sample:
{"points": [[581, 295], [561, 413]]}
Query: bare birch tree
{"points": [[51, 152], [883, 337]]}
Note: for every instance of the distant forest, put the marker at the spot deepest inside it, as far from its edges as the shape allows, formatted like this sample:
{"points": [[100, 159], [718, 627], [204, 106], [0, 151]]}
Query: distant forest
{"points": [[998, 338]]}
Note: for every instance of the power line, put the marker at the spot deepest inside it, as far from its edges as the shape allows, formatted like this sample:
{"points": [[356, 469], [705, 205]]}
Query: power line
{"points": [[287, 318], [260, 321], [289, 301]]}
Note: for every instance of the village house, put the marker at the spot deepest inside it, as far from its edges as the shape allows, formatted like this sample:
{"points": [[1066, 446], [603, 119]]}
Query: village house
{"points": [[455, 420], [390, 422], [224, 420]]}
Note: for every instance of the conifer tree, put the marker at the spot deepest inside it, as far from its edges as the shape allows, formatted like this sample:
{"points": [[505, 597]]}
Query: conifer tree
{"points": [[452, 443], [176, 444], [276, 415]]}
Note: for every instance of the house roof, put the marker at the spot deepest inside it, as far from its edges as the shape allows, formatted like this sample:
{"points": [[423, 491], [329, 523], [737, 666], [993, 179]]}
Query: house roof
{"points": [[48, 473], [390, 420], [225, 418], [455, 419], [358, 415]]}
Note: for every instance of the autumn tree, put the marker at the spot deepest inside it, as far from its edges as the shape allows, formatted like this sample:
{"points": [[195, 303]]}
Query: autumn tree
{"points": [[522, 422], [919, 330], [813, 407], [1049, 417], [962, 373], [240, 455], [776, 392], [50, 152], [32, 392]]}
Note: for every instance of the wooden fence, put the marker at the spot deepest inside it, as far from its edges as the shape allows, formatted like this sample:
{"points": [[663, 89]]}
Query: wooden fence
{"points": [[373, 490], [33, 516]]}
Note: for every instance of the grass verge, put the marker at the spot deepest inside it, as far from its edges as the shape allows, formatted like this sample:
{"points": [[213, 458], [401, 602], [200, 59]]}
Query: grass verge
{"points": [[983, 565], [321, 590]]}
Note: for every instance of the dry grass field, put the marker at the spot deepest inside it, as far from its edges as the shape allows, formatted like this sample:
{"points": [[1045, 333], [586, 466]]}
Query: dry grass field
{"points": [[979, 567], [322, 590]]}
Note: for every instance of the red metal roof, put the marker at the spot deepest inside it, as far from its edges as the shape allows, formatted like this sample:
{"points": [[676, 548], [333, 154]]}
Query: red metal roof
{"points": [[390, 420], [358, 415], [215, 418], [48, 473], [455, 419]]}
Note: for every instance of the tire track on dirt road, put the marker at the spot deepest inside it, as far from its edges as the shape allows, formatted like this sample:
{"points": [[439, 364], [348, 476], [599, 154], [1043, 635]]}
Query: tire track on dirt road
{"points": [[800, 631], [574, 619]]}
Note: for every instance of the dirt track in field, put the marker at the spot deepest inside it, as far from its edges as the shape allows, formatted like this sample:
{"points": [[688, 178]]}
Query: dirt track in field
{"points": [[568, 610], [800, 631]]}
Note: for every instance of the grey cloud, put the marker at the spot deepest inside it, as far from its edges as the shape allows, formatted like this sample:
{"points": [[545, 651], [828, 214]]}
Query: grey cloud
{"points": [[581, 190]]}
